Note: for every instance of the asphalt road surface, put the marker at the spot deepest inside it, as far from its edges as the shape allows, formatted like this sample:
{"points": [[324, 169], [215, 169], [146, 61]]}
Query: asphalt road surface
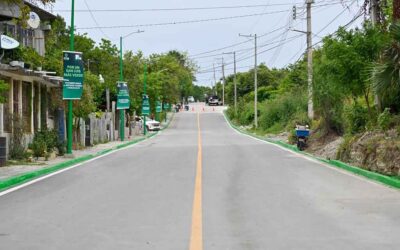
{"points": [[194, 189]]}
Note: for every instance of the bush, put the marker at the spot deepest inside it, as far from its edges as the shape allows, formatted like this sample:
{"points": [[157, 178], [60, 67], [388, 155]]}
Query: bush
{"points": [[384, 120], [38, 147], [356, 118], [45, 141], [285, 111]]}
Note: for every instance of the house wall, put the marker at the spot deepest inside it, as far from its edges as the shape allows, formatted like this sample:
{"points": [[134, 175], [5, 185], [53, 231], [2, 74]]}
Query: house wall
{"points": [[24, 105]]}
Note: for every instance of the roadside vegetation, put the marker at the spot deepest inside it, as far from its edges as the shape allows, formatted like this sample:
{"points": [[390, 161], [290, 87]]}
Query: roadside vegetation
{"points": [[356, 95], [170, 78]]}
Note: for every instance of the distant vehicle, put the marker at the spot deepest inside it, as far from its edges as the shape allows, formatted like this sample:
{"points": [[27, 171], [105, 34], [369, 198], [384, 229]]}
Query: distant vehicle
{"points": [[151, 125], [190, 99], [214, 101]]}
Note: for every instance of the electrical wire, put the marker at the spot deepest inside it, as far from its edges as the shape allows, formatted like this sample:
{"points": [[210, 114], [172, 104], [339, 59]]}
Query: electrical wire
{"points": [[183, 22], [196, 8], [95, 20]]}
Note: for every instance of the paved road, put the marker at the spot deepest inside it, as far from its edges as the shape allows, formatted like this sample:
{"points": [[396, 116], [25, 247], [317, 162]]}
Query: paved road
{"points": [[213, 190]]}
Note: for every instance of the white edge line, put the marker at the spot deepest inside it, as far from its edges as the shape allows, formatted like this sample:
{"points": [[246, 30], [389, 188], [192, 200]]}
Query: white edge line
{"points": [[13, 189], [309, 158]]}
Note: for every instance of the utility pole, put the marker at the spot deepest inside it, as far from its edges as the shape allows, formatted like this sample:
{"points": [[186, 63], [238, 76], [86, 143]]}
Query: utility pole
{"points": [[309, 61], [223, 82], [255, 79], [374, 11], [234, 79], [310, 109], [71, 48], [121, 78], [215, 81]]}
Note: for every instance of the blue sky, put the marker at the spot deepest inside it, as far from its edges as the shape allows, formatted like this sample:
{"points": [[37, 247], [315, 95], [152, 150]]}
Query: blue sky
{"points": [[195, 38]]}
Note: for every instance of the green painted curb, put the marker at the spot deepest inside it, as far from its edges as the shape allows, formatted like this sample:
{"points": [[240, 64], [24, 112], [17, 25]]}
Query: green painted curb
{"points": [[384, 179], [21, 179]]}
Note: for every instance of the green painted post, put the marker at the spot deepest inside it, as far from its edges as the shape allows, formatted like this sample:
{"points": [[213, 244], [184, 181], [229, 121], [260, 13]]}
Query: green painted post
{"points": [[121, 78], [71, 48], [144, 93]]}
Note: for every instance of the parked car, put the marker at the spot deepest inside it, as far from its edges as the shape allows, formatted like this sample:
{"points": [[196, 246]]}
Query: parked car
{"points": [[190, 99], [214, 101], [151, 125]]}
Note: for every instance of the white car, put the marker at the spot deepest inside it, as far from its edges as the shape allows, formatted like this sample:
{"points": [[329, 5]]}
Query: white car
{"points": [[152, 125], [190, 99]]}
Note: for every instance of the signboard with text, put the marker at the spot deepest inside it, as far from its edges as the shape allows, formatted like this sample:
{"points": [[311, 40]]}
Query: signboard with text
{"points": [[73, 75], [158, 107], [145, 105], [123, 100]]}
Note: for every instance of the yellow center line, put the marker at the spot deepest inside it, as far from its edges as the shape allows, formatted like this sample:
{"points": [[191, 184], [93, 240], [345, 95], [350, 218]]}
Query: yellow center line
{"points": [[196, 238]]}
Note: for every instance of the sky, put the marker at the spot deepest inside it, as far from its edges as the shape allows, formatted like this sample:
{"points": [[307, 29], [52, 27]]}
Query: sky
{"points": [[271, 20]]}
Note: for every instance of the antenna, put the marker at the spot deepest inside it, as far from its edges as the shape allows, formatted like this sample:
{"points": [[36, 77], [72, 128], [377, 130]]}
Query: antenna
{"points": [[34, 20]]}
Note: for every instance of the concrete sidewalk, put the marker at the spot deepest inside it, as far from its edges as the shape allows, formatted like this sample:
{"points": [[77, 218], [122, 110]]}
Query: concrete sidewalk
{"points": [[16, 170]]}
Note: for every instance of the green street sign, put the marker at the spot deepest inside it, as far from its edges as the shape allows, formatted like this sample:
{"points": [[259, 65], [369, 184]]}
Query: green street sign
{"points": [[123, 100], [73, 75], [158, 107], [167, 106], [145, 105]]}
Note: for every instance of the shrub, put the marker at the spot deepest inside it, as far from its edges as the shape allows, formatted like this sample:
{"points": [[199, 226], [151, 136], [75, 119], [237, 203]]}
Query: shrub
{"points": [[45, 141], [286, 110], [384, 119], [356, 118], [38, 147]]}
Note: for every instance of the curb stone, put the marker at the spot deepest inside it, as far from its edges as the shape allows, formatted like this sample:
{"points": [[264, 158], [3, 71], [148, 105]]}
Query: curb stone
{"points": [[383, 179], [23, 178]]}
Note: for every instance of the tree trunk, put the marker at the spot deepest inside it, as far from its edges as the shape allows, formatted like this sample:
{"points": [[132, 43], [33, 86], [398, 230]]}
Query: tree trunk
{"points": [[396, 10]]}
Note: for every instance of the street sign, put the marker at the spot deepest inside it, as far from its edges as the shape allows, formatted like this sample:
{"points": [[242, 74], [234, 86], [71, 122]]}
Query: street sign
{"points": [[123, 100], [146, 105], [166, 106], [158, 107], [73, 75]]}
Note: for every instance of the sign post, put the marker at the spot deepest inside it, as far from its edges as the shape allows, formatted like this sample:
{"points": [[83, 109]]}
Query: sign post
{"points": [[72, 86], [123, 102], [72, 48], [158, 110], [73, 75], [145, 110], [166, 107]]}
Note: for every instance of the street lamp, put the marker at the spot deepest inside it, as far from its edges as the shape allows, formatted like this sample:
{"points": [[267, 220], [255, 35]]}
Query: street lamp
{"points": [[121, 78]]}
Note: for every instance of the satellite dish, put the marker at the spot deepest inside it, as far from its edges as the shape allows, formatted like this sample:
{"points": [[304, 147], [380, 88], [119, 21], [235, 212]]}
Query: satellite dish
{"points": [[7, 42], [34, 20]]}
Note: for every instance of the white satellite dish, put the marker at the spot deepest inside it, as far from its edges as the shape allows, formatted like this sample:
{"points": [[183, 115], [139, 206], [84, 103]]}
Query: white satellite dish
{"points": [[34, 20], [7, 42]]}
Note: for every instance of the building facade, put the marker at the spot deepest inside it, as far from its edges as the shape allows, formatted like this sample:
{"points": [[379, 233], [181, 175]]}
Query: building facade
{"points": [[31, 92]]}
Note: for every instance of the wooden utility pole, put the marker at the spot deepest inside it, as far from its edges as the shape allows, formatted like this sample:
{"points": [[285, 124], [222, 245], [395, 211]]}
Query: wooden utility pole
{"points": [[255, 79], [309, 61], [396, 10]]}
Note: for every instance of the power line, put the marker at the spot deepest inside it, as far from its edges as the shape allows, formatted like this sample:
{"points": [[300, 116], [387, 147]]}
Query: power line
{"points": [[232, 45], [95, 20], [183, 22], [207, 70], [184, 8]]}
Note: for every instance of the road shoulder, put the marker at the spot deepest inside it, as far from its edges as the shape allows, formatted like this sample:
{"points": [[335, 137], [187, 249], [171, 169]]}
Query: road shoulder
{"points": [[376, 177]]}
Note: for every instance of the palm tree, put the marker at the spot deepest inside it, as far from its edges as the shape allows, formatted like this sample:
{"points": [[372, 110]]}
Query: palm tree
{"points": [[386, 73]]}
